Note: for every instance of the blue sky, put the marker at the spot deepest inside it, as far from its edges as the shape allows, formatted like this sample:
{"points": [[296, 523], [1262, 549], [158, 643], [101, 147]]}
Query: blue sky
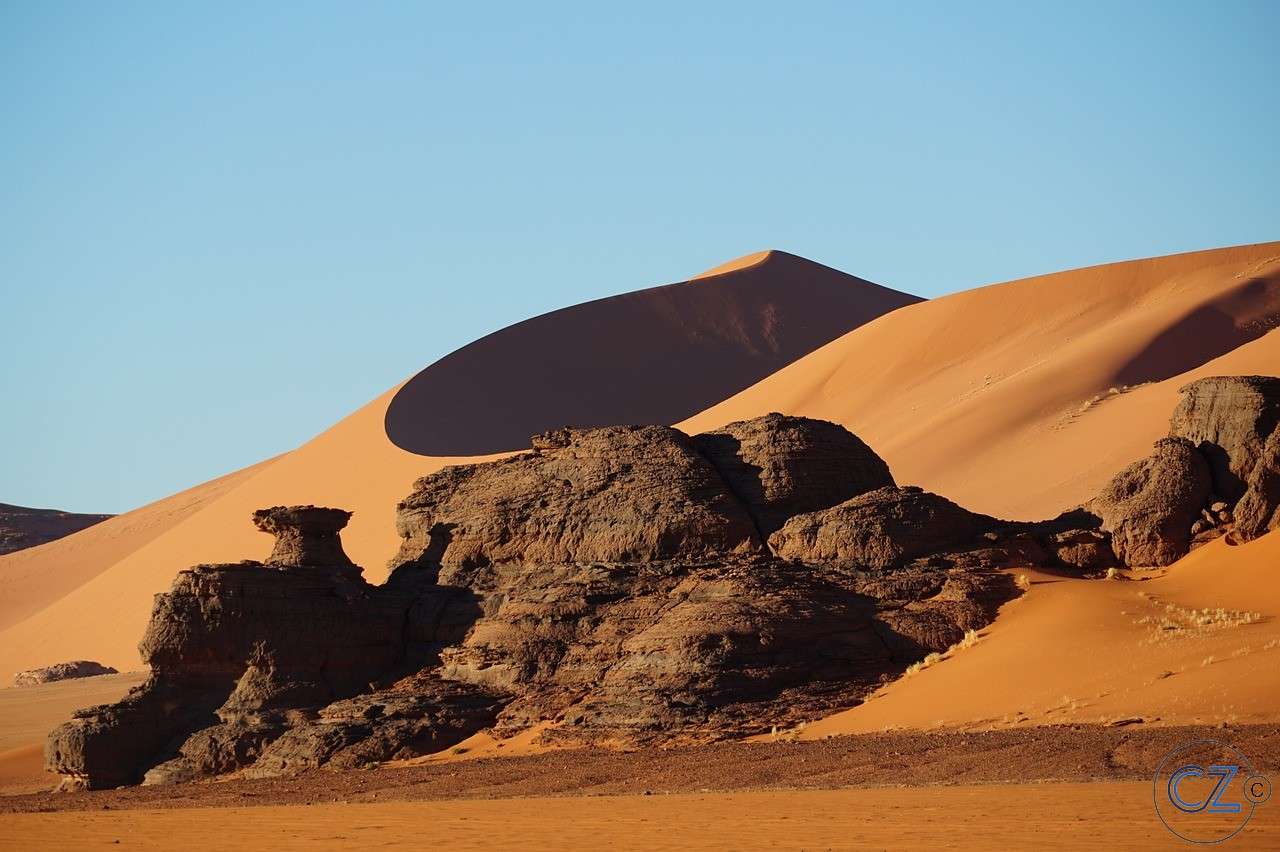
{"points": [[225, 226]]}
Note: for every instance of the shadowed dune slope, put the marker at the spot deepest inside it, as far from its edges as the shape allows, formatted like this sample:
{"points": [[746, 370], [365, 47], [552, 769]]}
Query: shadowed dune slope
{"points": [[997, 397], [652, 356], [1022, 399], [773, 307]]}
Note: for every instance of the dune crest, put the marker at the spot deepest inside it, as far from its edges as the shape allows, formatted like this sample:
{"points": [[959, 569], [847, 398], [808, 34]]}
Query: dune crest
{"points": [[648, 357], [1022, 399], [999, 397]]}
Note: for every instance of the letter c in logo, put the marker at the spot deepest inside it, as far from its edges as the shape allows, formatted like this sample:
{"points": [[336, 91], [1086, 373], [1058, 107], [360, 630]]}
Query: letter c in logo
{"points": [[1192, 771]]}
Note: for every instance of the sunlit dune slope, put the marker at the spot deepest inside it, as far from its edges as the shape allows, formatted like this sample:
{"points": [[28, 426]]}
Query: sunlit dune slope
{"points": [[89, 595], [1021, 399], [1198, 642]]}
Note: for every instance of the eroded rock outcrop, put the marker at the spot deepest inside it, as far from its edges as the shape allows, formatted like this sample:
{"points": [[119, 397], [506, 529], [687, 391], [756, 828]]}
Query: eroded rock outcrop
{"points": [[240, 653], [781, 466], [1150, 506], [626, 585], [611, 494], [879, 529], [61, 671], [1234, 421]]}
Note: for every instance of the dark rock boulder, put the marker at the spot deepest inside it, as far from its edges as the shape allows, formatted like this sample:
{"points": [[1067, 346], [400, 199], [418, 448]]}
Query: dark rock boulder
{"points": [[611, 494], [880, 529], [782, 466], [1149, 507]]}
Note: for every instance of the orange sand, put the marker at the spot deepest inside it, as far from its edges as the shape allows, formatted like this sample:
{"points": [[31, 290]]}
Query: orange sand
{"points": [[1095, 651], [989, 396], [1000, 397], [1024, 816], [28, 713]]}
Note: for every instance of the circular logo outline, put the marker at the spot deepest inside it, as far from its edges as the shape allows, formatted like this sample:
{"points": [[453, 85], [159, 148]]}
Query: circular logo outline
{"points": [[1243, 764]]}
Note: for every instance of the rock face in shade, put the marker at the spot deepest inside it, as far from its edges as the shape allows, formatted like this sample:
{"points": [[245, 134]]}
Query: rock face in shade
{"points": [[241, 653], [614, 584], [1235, 422], [1149, 507], [61, 671], [21, 527], [781, 466]]}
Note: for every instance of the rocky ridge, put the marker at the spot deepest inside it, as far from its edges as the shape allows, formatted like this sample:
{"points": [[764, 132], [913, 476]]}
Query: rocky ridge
{"points": [[627, 585]]}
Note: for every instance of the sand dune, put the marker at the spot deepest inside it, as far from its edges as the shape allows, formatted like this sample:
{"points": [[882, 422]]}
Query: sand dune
{"points": [[1198, 642], [745, 324], [1001, 397], [652, 356], [997, 397], [34, 578]]}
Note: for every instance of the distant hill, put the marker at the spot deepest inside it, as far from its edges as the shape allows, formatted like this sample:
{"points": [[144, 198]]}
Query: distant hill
{"points": [[21, 527]]}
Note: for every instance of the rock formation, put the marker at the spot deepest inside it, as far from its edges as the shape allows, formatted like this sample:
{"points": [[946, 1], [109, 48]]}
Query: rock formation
{"points": [[1150, 506], [627, 584], [879, 529], [781, 466], [61, 671], [1235, 422], [241, 653], [21, 527]]}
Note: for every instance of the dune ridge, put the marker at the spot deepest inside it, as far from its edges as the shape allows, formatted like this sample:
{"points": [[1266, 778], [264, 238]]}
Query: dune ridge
{"points": [[999, 397]]}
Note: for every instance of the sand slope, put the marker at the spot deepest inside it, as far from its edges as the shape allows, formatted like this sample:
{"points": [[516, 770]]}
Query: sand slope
{"points": [[746, 322], [1000, 397], [996, 397], [1104, 650], [28, 713]]}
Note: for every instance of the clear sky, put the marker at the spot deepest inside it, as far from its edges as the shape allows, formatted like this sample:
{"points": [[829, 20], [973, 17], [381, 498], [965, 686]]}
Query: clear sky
{"points": [[224, 226]]}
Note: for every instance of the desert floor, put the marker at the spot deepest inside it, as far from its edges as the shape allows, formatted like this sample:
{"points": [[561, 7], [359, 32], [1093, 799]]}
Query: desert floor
{"points": [[997, 816], [1052, 787]]}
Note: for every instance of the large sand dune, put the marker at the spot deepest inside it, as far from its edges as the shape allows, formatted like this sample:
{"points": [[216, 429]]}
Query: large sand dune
{"points": [[1021, 399], [89, 595], [999, 397], [652, 356]]}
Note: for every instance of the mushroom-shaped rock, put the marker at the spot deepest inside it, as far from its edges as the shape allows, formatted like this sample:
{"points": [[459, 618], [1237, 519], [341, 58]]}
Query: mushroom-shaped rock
{"points": [[305, 535]]}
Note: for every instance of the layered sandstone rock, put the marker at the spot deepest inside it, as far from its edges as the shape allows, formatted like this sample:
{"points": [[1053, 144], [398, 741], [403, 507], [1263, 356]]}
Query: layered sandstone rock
{"points": [[240, 653]]}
